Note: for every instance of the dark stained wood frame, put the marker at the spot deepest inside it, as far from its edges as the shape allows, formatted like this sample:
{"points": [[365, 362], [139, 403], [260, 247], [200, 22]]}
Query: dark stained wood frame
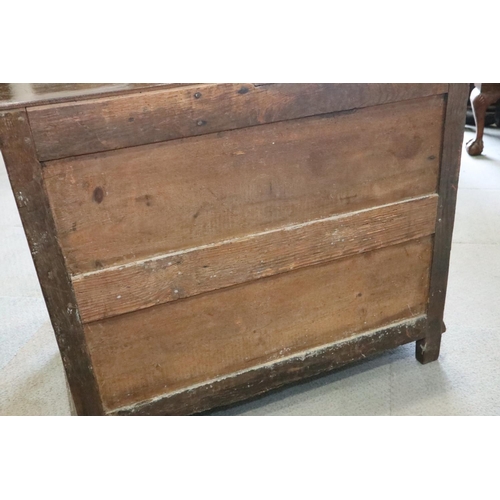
{"points": [[24, 169], [427, 349], [25, 173]]}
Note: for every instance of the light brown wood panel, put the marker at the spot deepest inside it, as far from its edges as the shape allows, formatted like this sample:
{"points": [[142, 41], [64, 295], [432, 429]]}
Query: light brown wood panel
{"points": [[159, 350], [154, 116], [305, 364], [143, 284], [117, 207]]}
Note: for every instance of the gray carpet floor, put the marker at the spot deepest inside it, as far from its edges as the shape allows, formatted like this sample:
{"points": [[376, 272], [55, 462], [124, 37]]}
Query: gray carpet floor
{"points": [[464, 381]]}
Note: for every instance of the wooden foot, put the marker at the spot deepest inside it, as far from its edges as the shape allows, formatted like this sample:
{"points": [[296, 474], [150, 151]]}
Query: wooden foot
{"points": [[72, 407], [474, 147], [427, 350]]}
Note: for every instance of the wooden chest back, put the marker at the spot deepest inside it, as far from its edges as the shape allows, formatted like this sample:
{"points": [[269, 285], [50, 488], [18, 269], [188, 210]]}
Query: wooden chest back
{"points": [[210, 242]]}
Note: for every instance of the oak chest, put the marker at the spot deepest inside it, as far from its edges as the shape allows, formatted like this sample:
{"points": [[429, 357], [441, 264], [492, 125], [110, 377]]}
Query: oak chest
{"points": [[200, 244]]}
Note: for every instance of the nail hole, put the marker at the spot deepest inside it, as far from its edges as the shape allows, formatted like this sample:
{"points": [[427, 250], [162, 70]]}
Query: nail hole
{"points": [[98, 195]]}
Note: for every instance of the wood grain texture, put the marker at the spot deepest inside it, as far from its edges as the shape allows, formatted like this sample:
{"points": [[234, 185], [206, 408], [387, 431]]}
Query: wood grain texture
{"points": [[251, 383], [25, 176], [70, 129], [122, 206], [17, 95], [159, 350], [427, 350], [143, 284]]}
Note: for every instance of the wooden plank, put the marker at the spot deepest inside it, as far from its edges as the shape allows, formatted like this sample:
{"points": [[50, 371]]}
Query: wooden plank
{"points": [[117, 207], [121, 289], [144, 354], [427, 350], [25, 176], [17, 95], [70, 129], [254, 382]]}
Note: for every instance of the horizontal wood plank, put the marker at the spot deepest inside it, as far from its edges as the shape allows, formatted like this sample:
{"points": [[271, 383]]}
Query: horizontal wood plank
{"points": [[118, 207], [251, 383], [14, 95], [70, 129], [144, 354], [143, 284]]}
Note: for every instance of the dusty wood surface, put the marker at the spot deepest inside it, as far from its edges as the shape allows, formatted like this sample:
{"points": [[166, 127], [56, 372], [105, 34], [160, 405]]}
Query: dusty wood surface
{"points": [[118, 207], [251, 383], [69, 129], [25, 176], [427, 350], [162, 349], [122, 289], [247, 217], [17, 95]]}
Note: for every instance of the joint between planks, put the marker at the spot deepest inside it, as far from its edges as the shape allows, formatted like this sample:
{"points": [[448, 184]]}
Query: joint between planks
{"points": [[150, 282]]}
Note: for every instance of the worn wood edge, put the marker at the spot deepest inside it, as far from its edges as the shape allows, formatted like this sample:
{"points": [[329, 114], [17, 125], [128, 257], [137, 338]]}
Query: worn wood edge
{"points": [[71, 403], [25, 175], [456, 106], [150, 282], [85, 95], [234, 120], [260, 379]]}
